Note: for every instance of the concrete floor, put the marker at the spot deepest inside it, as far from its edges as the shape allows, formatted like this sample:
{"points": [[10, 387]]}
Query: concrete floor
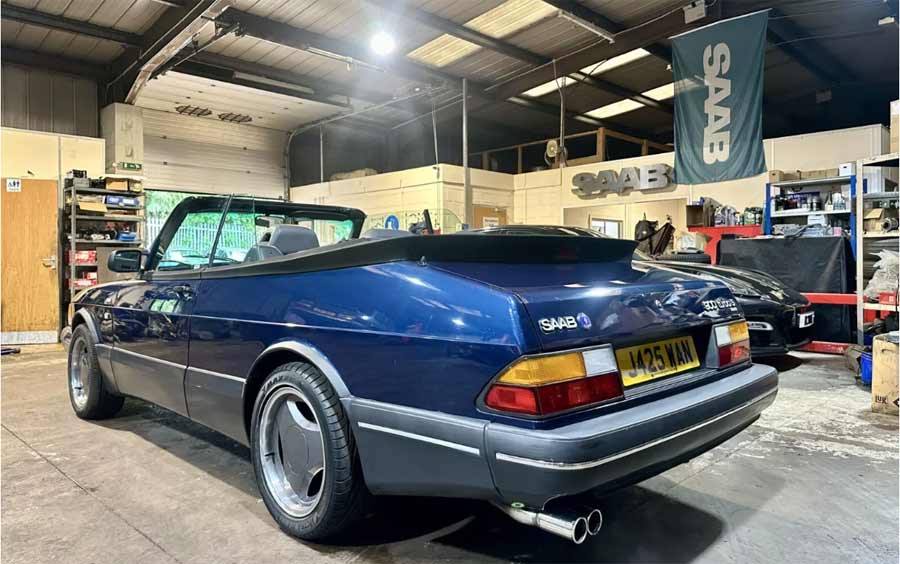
{"points": [[815, 480]]}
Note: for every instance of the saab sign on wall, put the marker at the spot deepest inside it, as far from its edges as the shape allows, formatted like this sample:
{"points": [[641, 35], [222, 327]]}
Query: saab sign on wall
{"points": [[718, 100], [647, 177]]}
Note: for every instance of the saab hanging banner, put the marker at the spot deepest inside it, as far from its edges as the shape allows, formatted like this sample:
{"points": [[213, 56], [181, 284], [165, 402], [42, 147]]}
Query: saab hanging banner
{"points": [[718, 100]]}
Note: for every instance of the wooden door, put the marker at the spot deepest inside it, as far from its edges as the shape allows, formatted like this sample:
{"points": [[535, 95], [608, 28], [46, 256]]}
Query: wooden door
{"points": [[30, 293], [489, 217]]}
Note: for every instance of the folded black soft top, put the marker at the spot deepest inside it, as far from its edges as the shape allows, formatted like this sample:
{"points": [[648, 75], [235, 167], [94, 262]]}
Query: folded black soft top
{"points": [[459, 247]]}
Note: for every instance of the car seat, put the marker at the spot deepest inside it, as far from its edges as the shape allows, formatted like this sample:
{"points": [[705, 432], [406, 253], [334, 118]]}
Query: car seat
{"points": [[283, 240]]}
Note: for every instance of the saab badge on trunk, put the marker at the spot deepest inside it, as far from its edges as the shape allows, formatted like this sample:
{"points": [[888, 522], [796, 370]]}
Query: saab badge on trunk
{"points": [[564, 322]]}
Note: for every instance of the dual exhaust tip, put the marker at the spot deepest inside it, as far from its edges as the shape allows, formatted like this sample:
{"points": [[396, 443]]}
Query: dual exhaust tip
{"points": [[572, 525]]}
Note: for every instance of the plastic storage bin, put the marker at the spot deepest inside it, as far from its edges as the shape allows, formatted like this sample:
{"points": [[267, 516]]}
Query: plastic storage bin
{"points": [[865, 368]]}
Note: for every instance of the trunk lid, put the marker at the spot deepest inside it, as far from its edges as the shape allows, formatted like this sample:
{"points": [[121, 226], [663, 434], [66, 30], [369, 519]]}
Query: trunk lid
{"points": [[582, 304]]}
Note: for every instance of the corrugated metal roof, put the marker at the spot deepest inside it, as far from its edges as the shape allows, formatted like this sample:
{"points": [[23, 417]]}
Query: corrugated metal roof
{"points": [[504, 20], [629, 12]]}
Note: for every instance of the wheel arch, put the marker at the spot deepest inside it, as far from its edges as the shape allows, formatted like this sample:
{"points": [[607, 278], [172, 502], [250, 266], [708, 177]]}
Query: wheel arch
{"points": [[282, 353], [83, 317]]}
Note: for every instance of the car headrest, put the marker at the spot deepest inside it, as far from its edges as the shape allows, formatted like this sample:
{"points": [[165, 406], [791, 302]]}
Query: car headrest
{"points": [[262, 251], [293, 238], [385, 234]]}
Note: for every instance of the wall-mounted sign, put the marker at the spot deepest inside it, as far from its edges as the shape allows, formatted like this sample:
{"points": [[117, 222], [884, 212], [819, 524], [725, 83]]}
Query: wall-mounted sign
{"points": [[13, 184], [647, 177], [392, 222]]}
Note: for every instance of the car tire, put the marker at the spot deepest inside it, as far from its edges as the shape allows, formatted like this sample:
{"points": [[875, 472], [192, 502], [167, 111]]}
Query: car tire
{"points": [[699, 258], [87, 391], [282, 464]]}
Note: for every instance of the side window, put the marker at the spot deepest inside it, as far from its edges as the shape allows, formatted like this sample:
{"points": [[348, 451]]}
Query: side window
{"points": [[192, 242], [240, 233]]}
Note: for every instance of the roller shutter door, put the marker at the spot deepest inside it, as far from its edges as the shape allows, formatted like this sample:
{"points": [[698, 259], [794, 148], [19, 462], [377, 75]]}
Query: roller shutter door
{"points": [[194, 154]]}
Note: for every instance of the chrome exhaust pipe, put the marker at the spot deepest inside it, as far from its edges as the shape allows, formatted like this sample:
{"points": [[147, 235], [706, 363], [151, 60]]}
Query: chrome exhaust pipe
{"points": [[570, 527], [594, 520]]}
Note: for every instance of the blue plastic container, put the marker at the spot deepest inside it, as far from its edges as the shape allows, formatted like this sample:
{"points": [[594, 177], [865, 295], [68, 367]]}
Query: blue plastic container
{"points": [[865, 368]]}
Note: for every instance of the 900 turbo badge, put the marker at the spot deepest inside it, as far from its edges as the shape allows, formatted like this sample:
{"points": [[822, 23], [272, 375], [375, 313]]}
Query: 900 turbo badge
{"points": [[564, 322], [719, 303]]}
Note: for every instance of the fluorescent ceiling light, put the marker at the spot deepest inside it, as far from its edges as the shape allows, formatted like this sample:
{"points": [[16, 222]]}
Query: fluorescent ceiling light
{"points": [[543, 89], [593, 28], [616, 61], [593, 70], [659, 93], [614, 109]]}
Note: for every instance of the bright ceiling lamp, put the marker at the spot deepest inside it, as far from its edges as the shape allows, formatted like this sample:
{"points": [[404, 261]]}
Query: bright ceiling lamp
{"points": [[663, 92], [592, 70], [382, 44]]}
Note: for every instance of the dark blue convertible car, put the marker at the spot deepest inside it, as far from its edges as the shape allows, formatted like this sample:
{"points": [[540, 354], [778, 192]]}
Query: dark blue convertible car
{"points": [[521, 370]]}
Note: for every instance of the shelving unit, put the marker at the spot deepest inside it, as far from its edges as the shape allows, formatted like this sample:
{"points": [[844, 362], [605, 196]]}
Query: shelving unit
{"points": [[888, 160], [828, 185], [78, 217]]}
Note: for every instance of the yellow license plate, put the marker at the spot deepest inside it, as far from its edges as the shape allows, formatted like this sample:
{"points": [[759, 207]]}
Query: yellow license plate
{"points": [[650, 361]]}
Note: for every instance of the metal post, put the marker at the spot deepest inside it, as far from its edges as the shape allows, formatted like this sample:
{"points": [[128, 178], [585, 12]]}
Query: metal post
{"points": [[467, 185], [561, 159], [434, 131], [321, 153]]}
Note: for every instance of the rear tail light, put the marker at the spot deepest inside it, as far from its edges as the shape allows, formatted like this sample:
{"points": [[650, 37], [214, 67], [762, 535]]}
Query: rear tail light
{"points": [[733, 342], [549, 384]]}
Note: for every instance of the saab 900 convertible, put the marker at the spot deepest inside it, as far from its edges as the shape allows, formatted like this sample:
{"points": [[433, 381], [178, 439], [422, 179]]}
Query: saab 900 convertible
{"points": [[520, 370]]}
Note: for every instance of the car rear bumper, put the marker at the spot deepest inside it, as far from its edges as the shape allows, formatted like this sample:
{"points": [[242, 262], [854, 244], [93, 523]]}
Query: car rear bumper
{"points": [[425, 453], [784, 336]]}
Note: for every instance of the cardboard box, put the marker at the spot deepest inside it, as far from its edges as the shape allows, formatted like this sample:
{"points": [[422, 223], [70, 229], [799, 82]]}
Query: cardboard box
{"points": [[873, 218], [117, 184], [819, 173], [884, 375], [895, 126], [783, 175]]}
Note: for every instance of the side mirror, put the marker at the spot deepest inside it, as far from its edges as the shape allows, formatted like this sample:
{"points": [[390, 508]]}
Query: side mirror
{"points": [[125, 260]]}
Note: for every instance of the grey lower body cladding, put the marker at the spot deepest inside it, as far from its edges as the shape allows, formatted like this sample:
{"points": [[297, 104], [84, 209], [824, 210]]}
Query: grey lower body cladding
{"points": [[407, 451]]}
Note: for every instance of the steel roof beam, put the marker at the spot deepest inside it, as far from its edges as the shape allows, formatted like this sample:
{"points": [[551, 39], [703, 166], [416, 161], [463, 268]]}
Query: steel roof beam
{"points": [[589, 15], [52, 62], [811, 55], [499, 46], [165, 38], [626, 41], [42, 19], [304, 40], [460, 31], [284, 34]]}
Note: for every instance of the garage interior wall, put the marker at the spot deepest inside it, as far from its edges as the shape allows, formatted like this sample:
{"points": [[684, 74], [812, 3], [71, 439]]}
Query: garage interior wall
{"points": [[41, 100], [545, 197], [203, 154]]}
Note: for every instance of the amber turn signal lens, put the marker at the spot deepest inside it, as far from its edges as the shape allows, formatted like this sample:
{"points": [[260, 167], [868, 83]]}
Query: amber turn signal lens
{"points": [[540, 370]]}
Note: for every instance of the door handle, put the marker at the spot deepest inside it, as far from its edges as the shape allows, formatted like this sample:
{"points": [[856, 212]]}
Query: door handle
{"points": [[49, 262]]}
